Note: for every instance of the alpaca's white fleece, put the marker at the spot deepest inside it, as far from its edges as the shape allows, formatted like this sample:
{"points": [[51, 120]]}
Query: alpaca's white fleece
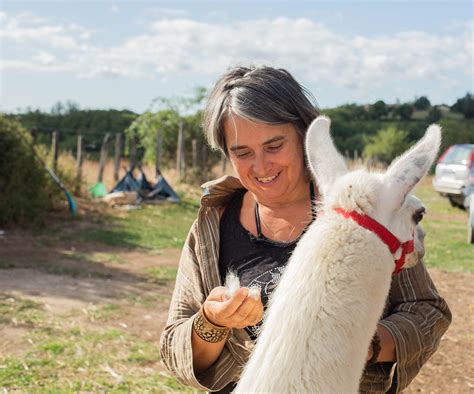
{"points": [[328, 326], [324, 311]]}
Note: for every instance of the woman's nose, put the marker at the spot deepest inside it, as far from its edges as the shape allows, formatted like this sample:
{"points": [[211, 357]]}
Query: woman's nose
{"points": [[259, 165]]}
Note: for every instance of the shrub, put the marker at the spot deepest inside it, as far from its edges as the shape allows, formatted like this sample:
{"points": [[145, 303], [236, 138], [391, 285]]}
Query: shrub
{"points": [[387, 144], [23, 182]]}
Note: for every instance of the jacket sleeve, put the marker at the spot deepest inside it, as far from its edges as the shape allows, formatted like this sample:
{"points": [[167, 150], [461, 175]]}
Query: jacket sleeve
{"points": [[175, 343], [417, 318]]}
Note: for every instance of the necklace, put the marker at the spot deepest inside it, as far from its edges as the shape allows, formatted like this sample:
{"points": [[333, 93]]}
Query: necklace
{"points": [[257, 214]]}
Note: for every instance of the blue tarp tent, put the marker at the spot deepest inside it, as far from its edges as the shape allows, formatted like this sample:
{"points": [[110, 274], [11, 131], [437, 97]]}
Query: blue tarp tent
{"points": [[163, 190], [127, 184], [147, 191]]}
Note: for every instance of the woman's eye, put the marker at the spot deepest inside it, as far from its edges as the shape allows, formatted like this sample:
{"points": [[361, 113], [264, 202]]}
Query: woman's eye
{"points": [[242, 155], [274, 148]]}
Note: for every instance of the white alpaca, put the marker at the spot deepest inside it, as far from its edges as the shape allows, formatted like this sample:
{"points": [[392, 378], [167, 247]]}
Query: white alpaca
{"points": [[324, 311]]}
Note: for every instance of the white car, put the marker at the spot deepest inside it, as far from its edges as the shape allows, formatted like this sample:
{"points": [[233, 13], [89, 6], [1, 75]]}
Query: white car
{"points": [[470, 222], [454, 178]]}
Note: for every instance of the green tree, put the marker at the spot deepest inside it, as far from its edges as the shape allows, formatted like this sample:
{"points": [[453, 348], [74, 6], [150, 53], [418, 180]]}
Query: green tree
{"points": [[434, 115], [404, 111], [465, 106], [23, 180], [378, 110], [456, 132], [387, 144], [69, 120], [422, 103], [166, 117]]}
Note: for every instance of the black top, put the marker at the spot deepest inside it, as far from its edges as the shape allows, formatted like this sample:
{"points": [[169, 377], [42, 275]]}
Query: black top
{"points": [[257, 261]]}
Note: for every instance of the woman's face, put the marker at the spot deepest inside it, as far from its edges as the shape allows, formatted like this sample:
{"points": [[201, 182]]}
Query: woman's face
{"points": [[268, 159]]}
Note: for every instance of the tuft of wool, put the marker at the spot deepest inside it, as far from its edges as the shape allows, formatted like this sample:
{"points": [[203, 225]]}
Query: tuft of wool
{"points": [[254, 292], [232, 283]]}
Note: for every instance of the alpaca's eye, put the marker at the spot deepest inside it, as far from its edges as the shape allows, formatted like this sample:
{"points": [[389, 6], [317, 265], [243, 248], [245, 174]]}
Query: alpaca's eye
{"points": [[418, 215]]}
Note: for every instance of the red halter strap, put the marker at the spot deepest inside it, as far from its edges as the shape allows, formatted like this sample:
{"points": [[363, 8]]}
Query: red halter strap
{"points": [[381, 231]]}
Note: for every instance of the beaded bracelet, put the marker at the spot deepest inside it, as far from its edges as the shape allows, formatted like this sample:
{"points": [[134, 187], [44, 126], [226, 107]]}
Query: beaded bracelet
{"points": [[207, 331]]}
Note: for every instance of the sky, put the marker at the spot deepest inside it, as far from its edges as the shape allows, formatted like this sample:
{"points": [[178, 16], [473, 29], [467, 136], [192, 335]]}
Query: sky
{"points": [[123, 54]]}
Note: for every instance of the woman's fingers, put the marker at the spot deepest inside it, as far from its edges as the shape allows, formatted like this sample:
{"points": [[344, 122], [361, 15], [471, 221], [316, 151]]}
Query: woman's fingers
{"points": [[238, 311], [219, 311], [256, 315], [217, 294], [249, 313], [230, 306]]}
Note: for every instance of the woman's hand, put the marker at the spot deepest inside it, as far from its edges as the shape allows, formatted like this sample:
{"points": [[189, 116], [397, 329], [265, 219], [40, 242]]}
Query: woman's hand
{"points": [[238, 311]]}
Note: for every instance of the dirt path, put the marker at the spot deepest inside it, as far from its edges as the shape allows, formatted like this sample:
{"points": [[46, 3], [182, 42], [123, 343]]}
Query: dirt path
{"points": [[451, 369], [66, 281]]}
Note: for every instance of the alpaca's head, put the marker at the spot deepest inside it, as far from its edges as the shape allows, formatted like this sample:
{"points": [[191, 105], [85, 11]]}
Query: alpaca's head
{"points": [[382, 196]]}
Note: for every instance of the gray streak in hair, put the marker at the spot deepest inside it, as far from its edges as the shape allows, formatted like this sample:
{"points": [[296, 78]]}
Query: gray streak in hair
{"points": [[259, 94]]}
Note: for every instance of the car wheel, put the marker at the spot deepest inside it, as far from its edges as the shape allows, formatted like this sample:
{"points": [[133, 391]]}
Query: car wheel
{"points": [[470, 220], [452, 202]]}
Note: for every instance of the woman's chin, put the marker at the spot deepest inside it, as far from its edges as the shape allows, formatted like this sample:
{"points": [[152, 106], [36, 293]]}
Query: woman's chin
{"points": [[269, 194]]}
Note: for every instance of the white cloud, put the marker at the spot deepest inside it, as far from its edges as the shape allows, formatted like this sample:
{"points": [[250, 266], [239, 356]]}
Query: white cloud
{"points": [[27, 29], [181, 46], [162, 12], [44, 58]]}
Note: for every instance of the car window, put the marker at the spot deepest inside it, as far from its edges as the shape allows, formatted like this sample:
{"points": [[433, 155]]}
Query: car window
{"points": [[458, 155]]}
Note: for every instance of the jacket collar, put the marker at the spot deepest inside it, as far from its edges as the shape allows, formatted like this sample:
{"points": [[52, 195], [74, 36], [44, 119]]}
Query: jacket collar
{"points": [[218, 191]]}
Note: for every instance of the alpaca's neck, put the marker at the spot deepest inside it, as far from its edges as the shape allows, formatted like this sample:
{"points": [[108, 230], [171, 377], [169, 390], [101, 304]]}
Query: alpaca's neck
{"points": [[323, 313]]}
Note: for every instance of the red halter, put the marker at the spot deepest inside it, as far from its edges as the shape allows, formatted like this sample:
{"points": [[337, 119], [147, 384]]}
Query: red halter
{"points": [[386, 236]]}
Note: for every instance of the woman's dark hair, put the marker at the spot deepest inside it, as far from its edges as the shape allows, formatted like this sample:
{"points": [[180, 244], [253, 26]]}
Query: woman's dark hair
{"points": [[259, 94]]}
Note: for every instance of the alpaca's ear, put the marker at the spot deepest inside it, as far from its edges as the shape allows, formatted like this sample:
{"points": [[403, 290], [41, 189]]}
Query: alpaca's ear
{"points": [[407, 170], [324, 160]]}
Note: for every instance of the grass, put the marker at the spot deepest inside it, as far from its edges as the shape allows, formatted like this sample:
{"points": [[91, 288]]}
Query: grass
{"points": [[146, 300], [17, 311], [103, 312], [161, 275], [152, 227], [58, 355], [94, 257], [446, 233], [65, 359], [98, 355]]}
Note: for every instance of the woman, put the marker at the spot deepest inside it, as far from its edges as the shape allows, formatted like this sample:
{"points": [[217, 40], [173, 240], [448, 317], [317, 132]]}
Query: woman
{"points": [[250, 225]]}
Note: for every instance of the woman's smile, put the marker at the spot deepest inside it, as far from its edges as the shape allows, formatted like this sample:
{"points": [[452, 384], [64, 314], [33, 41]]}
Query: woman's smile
{"points": [[268, 160], [269, 180]]}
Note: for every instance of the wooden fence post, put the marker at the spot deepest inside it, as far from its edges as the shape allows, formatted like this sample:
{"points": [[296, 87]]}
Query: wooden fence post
{"points": [[204, 162], [55, 149], [78, 165], [103, 156], [133, 152], [158, 153], [194, 155], [224, 163], [34, 135], [117, 155], [180, 152]]}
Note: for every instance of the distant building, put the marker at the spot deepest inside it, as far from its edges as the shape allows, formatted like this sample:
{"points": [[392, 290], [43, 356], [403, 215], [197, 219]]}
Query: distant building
{"points": [[444, 108]]}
